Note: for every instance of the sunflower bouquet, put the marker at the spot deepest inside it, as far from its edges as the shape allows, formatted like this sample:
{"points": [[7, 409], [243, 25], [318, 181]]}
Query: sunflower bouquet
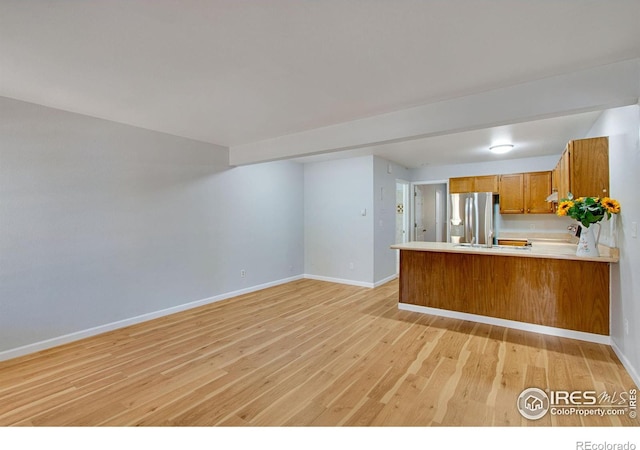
{"points": [[588, 210]]}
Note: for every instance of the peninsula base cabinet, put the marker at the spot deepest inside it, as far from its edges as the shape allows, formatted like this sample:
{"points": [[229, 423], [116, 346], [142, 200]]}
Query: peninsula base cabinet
{"points": [[568, 294]]}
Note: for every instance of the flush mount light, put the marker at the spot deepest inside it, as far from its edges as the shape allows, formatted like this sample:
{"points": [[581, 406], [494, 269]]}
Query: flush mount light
{"points": [[502, 148]]}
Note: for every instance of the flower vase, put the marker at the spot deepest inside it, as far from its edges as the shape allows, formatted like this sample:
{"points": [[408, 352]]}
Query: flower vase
{"points": [[588, 244]]}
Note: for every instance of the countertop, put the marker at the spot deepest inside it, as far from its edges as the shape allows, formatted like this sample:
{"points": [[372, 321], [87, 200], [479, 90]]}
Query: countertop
{"points": [[542, 249]]}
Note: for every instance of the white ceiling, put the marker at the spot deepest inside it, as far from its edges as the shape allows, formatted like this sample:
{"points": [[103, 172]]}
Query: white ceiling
{"points": [[530, 139], [233, 72]]}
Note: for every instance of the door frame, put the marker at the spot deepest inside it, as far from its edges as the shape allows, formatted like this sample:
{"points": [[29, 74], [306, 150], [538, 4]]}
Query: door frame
{"points": [[406, 219], [406, 201], [447, 205]]}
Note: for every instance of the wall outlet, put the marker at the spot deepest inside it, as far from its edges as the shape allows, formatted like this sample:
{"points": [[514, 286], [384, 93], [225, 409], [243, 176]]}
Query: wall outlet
{"points": [[243, 273], [626, 326], [351, 266], [634, 230]]}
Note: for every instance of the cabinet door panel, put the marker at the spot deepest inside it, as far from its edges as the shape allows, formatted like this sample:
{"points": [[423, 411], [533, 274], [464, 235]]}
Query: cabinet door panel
{"points": [[590, 167], [487, 183], [537, 187], [461, 185], [512, 194]]}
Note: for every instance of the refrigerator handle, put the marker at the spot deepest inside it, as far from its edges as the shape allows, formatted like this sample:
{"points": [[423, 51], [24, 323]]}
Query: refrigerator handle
{"points": [[466, 220], [472, 221], [488, 220], [468, 230]]}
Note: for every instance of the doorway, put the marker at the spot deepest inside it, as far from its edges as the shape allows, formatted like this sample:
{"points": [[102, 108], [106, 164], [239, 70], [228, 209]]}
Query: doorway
{"points": [[430, 212]]}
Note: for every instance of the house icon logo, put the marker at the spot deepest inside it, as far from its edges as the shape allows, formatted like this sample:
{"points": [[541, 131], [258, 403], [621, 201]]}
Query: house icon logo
{"points": [[533, 403]]}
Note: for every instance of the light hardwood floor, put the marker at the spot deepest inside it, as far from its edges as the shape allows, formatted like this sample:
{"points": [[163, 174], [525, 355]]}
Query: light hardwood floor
{"points": [[307, 353]]}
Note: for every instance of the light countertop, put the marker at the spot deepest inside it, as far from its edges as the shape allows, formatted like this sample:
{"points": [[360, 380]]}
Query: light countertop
{"points": [[542, 249]]}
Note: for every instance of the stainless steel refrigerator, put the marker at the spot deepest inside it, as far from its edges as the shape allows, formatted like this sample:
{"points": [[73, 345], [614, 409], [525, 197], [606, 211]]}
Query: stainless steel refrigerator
{"points": [[471, 218]]}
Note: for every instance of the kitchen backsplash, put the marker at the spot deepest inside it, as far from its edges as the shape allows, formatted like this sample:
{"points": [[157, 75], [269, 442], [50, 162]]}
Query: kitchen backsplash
{"points": [[539, 225]]}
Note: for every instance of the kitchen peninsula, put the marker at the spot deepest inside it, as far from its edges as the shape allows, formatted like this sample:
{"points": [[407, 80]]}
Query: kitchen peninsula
{"points": [[544, 284]]}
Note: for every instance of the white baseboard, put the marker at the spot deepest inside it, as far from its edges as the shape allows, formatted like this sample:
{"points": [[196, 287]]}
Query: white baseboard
{"points": [[626, 363], [351, 282], [339, 280], [65, 339], [385, 280], [552, 331]]}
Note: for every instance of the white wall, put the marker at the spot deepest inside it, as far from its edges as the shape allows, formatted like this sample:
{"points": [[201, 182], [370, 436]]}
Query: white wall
{"points": [[340, 243], [622, 125], [385, 174], [338, 239], [102, 222], [255, 221]]}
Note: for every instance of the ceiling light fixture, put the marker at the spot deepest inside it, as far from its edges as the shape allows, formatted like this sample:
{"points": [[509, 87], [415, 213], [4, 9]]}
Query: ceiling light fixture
{"points": [[502, 148]]}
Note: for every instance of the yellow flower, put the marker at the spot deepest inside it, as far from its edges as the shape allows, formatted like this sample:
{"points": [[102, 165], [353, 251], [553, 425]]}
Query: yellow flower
{"points": [[581, 199], [611, 205], [565, 206]]}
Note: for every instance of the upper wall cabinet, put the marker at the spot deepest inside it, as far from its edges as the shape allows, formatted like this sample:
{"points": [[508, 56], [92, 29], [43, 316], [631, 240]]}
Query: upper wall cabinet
{"points": [[583, 168], [525, 193], [461, 185]]}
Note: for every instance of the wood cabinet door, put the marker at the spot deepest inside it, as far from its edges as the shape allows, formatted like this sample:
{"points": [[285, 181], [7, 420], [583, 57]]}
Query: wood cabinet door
{"points": [[537, 187], [590, 167], [512, 194], [564, 186], [488, 183], [555, 175], [461, 185]]}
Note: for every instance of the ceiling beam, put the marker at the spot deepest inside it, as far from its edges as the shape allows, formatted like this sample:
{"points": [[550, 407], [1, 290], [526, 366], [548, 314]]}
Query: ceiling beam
{"points": [[593, 89]]}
